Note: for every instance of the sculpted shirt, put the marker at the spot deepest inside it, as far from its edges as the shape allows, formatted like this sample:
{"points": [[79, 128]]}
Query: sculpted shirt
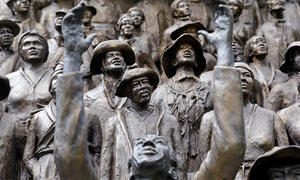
{"points": [[25, 95], [188, 105]]}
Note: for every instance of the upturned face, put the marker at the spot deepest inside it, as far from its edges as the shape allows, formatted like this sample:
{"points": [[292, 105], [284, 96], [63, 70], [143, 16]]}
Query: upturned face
{"points": [[185, 55], [33, 49], [141, 90], [151, 153], [113, 62], [246, 80], [127, 27], [182, 10], [6, 37], [259, 46], [296, 60], [87, 17], [22, 6], [284, 172], [137, 18], [235, 8], [58, 20]]}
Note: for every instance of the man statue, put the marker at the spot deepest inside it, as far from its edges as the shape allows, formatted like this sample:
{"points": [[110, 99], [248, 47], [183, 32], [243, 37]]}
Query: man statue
{"points": [[280, 163], [287, 93], [110, 59], [277, 32], [38, 153], [256, 50], [137, 119], [138, 18], [184, 95], [8, 57], [71, 154], [125, 28]]}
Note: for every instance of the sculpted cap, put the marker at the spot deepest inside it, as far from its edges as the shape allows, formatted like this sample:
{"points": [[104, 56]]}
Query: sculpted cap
{"points": [[7, 22]]}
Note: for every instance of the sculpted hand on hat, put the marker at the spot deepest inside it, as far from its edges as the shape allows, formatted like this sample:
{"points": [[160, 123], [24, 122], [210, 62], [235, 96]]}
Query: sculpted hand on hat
{"points": [[75, 44], [222, 36]]}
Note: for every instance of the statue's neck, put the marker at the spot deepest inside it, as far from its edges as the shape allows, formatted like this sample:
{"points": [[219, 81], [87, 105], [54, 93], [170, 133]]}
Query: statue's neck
{"points": [[21, 16], [141, 109], [259, 60]]}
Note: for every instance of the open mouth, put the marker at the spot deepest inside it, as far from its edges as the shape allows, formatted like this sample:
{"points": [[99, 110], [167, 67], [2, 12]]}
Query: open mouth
{"points": [[33, 53], [116, 62], [187, 54], [149, 151]]}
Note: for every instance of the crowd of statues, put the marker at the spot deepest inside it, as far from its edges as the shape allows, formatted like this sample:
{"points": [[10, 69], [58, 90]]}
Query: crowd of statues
{"points": [[149, 89]]}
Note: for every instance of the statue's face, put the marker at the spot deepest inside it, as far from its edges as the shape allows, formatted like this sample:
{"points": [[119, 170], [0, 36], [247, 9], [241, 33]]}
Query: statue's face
{"points": [[296, 59], [87, 17], [285, 172], [151, 153], [113, 61], [183, 9], [6, 37], [127, 27], [259, 46], [22, 6], [141, 90], [185, 55], [59, 19], [33, 49], [137, 18], [235, 8], [277, 5], [247, 81]]}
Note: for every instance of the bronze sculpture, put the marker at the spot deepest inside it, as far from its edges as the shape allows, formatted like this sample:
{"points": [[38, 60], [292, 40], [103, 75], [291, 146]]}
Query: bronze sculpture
{"points": [[8, 57], [184, 94], [287, 93], [137, 119], [256, 50], [110, 59], [279, 163], [231, 147], [277, 32], [125, 28], [263, 129]]}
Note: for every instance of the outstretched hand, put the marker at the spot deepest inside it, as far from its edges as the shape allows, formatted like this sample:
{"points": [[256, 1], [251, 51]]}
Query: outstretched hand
{"points": [[74, 41], [222, 36]]}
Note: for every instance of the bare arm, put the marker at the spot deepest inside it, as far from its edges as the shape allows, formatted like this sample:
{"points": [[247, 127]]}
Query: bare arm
{"points": [[228, 138], [71, 150]]}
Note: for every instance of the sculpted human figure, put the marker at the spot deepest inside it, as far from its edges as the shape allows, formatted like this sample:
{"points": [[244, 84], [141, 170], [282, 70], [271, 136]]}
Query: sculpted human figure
{"points": [[70, 145], [110, 59], [12, 140], [38, 153], [8, 57], [125, 27], [278, 164], [184, 94], [48, 15], [33, 49], [23, 13], [292, 13], [287, 93], [256, 50], [277, 32], [263, 129], [202, 13], [138, 18], [137, 119]]}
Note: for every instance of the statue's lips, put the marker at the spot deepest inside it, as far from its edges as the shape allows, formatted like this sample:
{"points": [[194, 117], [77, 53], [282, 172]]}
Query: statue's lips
{"points": [[116, 62], [149, 151], [33, 52], [7, 39], [187, 54]]}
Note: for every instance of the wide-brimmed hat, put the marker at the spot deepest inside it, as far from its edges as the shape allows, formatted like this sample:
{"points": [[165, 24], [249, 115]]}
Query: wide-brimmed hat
{"points": [[179, 31], [132, 74], [287, 65], [4, 87], [111, 45], [92, 9], [170, 53], [277, 156], [6, 21], [62, 11]]}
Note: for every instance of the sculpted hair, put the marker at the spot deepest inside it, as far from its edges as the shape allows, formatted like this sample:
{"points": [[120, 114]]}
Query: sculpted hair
{"points": [[40, 37]]}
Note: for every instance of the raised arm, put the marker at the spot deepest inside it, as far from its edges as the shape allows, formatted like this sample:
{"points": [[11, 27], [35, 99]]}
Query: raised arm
{"points": [[71, 149], [228, 138]]}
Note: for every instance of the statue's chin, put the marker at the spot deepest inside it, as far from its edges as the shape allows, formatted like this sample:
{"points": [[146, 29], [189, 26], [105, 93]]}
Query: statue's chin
{"points": [[151, 165]]}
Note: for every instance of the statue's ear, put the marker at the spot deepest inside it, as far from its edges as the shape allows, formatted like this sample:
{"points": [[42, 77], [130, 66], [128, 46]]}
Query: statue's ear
{"points": [[175, 13]]}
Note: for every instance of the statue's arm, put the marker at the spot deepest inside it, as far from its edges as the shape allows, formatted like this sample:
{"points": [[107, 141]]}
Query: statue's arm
{"points": [[228, 138], [71, 150], [280, 132]]}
